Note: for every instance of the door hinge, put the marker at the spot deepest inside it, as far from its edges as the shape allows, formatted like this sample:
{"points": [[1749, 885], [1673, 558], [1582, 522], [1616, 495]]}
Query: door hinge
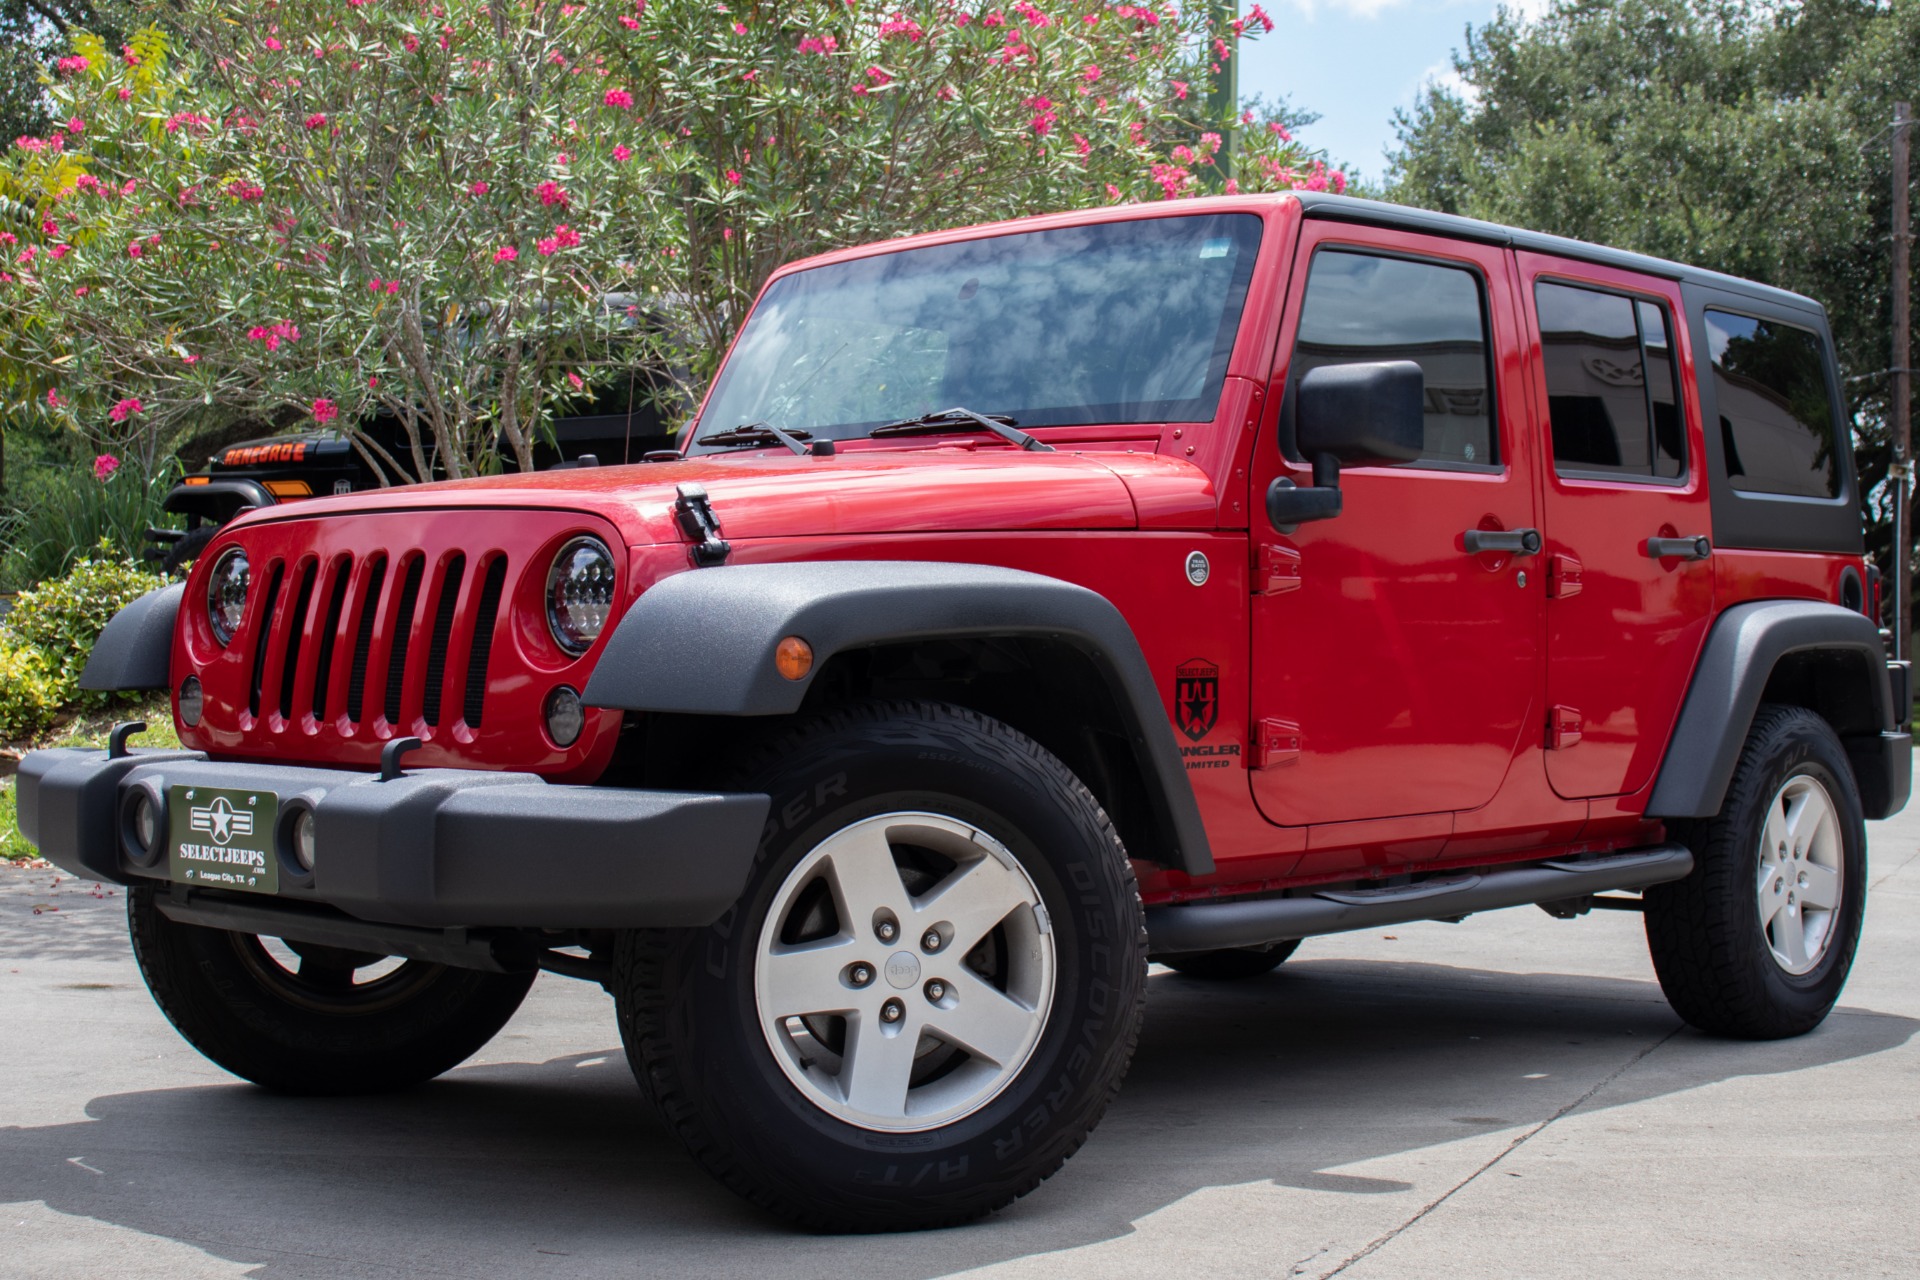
{"points": [[1279, 570], [1563, 728], [696, 519], [1279, 744], [1563, 576]]}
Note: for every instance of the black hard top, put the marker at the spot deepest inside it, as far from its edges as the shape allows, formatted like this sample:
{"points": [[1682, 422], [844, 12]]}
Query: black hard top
{"points": [[1319, 204]]}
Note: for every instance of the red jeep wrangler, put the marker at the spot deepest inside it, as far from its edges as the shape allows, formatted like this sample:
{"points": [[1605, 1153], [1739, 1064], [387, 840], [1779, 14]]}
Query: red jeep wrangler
{"points": [[1029, 602]]}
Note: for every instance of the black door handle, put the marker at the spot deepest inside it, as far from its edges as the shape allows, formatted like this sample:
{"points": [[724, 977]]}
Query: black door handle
{"points": [[1522, 542], [1696, 547]]}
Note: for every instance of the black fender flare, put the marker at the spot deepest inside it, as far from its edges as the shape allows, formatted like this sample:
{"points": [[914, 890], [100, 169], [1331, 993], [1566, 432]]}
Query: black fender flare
{"points": [[702, 642], [219, 499], [136, 649], [1747, 643]]}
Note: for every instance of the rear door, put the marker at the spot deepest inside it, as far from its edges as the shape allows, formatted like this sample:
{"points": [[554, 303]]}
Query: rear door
{"points": [[1396, 672], [1625, 517]]}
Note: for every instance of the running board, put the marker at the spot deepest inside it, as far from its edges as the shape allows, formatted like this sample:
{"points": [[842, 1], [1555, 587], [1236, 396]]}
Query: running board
{"points": [[1256, 922]]}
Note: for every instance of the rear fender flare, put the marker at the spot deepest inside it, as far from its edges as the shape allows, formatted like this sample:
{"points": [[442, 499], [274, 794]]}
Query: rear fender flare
{"points": [[1747, 643], [702, 642]]}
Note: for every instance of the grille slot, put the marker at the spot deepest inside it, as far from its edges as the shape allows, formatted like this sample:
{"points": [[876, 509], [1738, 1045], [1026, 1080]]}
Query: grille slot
{"points": [[483, 623], [336, 605], [265, 625], [296, 626], [363, 642], [442, 633], [403, 636]]}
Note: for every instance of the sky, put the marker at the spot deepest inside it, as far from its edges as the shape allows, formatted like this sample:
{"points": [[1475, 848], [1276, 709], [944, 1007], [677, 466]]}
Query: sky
{"points": [[1354, 61]]}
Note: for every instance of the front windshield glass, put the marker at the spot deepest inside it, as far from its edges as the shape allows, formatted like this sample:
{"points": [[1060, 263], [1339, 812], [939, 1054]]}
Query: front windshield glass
{"points": [[1112, 323]]}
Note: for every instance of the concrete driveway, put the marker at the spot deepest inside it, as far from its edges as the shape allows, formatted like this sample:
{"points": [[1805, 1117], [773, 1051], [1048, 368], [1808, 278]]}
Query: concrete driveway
{"points": [[1510, 1096]]}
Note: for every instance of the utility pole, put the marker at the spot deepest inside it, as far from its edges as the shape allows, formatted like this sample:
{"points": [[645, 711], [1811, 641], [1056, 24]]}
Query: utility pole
{"points": [[1901, 472], [1223, 88]]}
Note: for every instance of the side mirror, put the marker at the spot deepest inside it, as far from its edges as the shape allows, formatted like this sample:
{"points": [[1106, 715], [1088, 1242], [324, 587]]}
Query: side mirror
{"points": [[1349, 414]]}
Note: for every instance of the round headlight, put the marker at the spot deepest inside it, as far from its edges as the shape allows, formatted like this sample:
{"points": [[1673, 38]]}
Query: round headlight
{"points": [[227, 594], [580, 594], [303, 839], [146, 822]]}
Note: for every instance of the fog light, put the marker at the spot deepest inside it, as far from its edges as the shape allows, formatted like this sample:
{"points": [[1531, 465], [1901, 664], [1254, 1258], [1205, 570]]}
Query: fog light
{"points": [[565, 716], [146, 823], [303, 839], [192, 702]]}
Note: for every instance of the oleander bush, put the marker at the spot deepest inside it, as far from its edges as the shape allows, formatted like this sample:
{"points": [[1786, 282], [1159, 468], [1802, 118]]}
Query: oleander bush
{"points": [[466, 214]]}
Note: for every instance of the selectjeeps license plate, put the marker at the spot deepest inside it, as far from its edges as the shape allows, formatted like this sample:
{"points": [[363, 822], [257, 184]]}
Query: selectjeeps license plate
{"points": [[223, 838]]}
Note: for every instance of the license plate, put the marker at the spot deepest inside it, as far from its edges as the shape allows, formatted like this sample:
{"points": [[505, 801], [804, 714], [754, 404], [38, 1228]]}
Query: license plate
{"points": [[223, 838]]}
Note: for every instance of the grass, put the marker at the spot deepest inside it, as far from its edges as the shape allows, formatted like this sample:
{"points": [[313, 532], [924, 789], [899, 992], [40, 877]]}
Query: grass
{"points": [[86, 729]]}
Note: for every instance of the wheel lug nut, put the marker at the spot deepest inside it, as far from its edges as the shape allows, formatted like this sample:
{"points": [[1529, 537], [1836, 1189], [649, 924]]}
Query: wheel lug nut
{"points": [[886, 931], [936, 990], [932, 941], [892, 1011], [860, 974]]}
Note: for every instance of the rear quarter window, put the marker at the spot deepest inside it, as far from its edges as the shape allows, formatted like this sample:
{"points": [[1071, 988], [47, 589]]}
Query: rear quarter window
{"points": [[1777, 433]]}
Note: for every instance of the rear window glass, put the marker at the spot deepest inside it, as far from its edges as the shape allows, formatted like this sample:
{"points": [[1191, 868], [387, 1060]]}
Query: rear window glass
{"points": [[1361, 308], [1776, 413], [1610, 384]]}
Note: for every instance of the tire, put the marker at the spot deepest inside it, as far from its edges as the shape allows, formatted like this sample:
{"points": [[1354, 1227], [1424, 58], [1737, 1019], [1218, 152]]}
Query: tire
{"points": [[1232, 964], [878, 812], [309, 1030], [180, 555], [1727, 966]]}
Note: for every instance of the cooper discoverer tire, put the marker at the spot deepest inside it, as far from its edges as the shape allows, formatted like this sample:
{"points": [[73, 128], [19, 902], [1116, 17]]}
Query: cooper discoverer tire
{"points": [[927, 993], [1757, 941], [314, 1028], [1232, 964]]}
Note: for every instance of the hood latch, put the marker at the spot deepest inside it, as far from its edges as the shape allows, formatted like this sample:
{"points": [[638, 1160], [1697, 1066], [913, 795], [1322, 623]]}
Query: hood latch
{"points": [[696, 519]]}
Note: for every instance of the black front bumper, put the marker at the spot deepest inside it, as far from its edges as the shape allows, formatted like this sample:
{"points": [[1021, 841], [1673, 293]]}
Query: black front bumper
{"points": [[438, 848]]}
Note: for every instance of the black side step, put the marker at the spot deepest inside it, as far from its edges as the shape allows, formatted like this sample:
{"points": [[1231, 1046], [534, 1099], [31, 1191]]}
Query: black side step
{"points": [[1255, 922]]}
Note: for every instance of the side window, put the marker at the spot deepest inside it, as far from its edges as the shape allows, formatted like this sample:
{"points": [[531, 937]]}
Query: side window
{"points": [[1360, 307], [1776, 417], [1611, 394]]}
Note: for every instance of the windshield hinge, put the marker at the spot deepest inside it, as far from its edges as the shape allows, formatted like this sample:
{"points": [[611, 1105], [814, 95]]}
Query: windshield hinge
{"points": [[696, 519]]}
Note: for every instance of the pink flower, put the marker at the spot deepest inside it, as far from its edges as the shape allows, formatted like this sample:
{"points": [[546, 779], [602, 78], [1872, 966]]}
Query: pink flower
{"points": [[1259, 15], [818, 44], [81, 292], [1180, 90], [60, 251], [106, 464], [750, 77], [618, 98], [134, 250], [393, 286], [879, 77], [1279, 130], [412, 44], [1091, 74], [733, 177], [1233, 186], [478, 189], [273, 335], [124, 410], [76, 125], [189, 358], [505, 253], [900, 25], [1081, 145], [274, 45], [552, 193], [578, 383], [739, 28], [1338, 181], [73, 65], [631, 24], [563, 237], [53, 399], [317, 120], [241, 189], [325, 411], [621, 153]]}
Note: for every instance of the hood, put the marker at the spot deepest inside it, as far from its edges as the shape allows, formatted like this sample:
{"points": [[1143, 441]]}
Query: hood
{"points": [[769, 494]]}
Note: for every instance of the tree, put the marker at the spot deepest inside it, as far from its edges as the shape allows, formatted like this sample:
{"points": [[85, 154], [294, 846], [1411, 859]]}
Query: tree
{"points": [[1736, 134], [467, 214]]}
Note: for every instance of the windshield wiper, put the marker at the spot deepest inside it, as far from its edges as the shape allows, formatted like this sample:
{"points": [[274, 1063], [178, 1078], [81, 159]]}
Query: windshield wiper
{"points": [[760, 433], [948, 419]]}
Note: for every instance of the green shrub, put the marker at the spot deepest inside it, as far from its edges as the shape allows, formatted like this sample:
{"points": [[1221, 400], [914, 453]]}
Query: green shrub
{"points": [[28, 697], [57, 622], [59, 512]]}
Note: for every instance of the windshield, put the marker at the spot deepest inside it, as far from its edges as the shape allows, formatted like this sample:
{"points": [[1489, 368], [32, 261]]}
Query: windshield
{"points": [[1113, 323]]}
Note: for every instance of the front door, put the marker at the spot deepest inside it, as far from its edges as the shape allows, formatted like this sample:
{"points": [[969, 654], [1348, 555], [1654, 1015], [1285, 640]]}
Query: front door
{"points": [[1396, 671], [1630, 578]]}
